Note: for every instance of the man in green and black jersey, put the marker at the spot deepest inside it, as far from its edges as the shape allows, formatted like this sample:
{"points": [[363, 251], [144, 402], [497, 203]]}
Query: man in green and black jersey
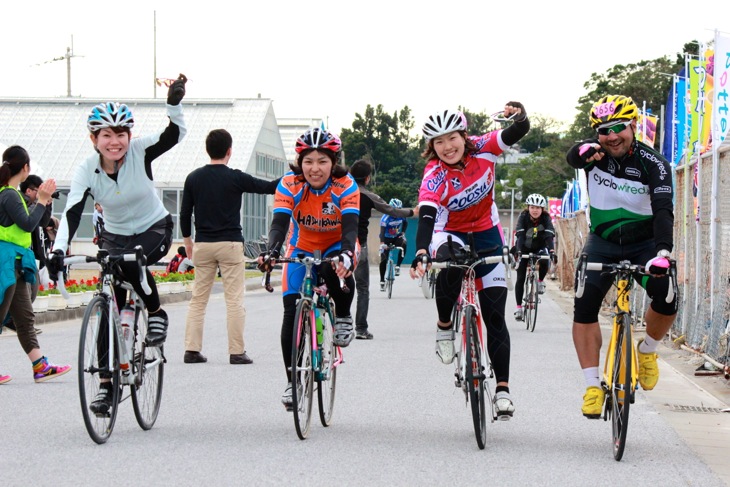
{"points": [[631, 218]]}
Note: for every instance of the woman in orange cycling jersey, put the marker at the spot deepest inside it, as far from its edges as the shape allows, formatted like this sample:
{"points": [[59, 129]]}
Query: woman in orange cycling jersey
{"points": [[457, 198], [321, 201]]}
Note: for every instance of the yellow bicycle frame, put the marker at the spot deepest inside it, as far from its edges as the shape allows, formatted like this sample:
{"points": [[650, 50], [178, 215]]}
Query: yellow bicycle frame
{"points": [[621, 308]]}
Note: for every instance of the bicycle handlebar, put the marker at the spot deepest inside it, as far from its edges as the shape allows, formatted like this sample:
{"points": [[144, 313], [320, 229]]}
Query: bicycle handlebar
{"points": [[128, 255], [306, 261], [627, 267]]}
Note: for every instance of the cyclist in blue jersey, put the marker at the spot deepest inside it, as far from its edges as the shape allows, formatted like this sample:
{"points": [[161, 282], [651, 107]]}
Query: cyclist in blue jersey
{"points": [[632, 218], [392, 231]]}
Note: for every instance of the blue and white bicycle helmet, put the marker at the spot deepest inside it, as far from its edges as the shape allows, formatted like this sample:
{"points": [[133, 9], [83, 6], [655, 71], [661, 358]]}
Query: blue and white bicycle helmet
{"points": [[444, 122], [396, 203], [108, 115]]}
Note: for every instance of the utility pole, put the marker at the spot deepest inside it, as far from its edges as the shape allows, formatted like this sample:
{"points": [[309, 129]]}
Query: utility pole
{"points": [[67, 57]]}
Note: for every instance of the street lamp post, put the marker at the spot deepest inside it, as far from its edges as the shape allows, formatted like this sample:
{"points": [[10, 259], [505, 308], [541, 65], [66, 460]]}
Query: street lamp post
{"points": [[505, 185]]}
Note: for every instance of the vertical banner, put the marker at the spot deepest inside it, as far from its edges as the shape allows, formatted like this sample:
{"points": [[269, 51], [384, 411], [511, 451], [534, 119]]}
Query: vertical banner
{"points": [[721, 101], [555, 206], [646, 129], [697, 79]]}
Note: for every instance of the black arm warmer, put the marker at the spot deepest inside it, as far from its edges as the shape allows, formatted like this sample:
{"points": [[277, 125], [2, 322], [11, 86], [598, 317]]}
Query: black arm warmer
{"points": [[277, 232], [349, 231], [512, 134], [664, 230], [426, 222]]}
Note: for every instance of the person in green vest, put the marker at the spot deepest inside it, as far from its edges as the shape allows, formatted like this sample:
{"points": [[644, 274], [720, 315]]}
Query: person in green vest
{"points": [[17, 262]]}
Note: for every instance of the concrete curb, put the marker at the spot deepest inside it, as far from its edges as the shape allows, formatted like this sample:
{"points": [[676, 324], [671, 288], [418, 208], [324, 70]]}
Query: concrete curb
{"points": [[252, 284]]}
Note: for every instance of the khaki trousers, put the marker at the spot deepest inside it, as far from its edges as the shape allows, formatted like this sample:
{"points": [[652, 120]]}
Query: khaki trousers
{"points": [[208, 257]]}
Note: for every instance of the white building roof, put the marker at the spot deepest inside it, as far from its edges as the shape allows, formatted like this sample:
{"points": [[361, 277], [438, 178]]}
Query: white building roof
{"points": [[290, 130], [53, 131]]}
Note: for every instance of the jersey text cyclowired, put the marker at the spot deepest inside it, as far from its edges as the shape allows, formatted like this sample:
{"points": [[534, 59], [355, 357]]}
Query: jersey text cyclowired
{"points": [[464, 197], [620, 210], [316, 214]]}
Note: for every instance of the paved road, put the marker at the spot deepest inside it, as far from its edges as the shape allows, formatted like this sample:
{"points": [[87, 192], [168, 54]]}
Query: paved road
{"points": [[398, 418]]}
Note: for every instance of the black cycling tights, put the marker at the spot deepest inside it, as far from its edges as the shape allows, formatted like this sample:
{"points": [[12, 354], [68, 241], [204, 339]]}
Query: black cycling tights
{"points": [[522, 273], [492, 302], [343, 302]]}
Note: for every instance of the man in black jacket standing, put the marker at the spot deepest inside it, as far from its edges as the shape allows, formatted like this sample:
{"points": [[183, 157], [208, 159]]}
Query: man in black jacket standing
{"points": [[361, 170], [214, 194]]}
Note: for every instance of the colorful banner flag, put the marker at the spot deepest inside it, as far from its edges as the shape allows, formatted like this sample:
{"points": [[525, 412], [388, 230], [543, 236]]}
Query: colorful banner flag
{"points": [[721, 100], [555, 206], [700, 104], [646, 128]]}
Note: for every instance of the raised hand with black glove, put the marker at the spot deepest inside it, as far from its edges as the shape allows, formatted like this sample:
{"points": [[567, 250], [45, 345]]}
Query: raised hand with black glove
{"points": [[176, 91], [54, 263], [517, 109]]}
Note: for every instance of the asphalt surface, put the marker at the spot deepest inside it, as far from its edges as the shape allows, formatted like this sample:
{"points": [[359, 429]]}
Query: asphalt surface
{"points": [[398, 418]]}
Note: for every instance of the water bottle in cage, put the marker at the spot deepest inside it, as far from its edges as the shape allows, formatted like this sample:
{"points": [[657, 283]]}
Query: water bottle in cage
{"points": [[127, 319], [318, 324]]}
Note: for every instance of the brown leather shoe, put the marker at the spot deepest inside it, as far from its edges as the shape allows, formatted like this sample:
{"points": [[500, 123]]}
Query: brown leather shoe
{"points": [[194, 358], [241, 358]]}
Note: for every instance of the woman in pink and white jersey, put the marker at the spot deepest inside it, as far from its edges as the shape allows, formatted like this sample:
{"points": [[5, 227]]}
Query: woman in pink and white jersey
{"points": [[457, 198]]}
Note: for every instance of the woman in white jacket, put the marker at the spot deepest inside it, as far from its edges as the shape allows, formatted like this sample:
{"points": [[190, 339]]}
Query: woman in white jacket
{"points": [[119, 177]]}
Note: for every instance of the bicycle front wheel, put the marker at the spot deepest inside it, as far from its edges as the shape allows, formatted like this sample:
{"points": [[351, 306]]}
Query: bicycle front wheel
{"points": [[475, 377], [534, 300], [301, 369], [94, 364], [327, 374], [621, 390], [148, 369], [432, 281], [389, 278]]}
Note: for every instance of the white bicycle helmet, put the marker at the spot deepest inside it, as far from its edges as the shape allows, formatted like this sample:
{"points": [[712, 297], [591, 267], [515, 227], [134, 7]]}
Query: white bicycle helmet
{"points": [[444, 122], [110, 114], [536, 200]]}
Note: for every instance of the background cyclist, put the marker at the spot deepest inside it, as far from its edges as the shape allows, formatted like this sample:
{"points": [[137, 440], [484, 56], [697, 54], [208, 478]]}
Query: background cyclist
{"points": [[534, 234], [119, 176], [457, 197], [392, 231], [631, 190], [321, 202]]}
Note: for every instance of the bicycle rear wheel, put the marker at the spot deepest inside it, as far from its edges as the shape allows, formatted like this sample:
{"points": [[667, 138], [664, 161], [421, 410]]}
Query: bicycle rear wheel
{"points": [[148, 370], [534, 300], [621, 390], [301, 373], [327, 375], [475, 377], [93, 362]]}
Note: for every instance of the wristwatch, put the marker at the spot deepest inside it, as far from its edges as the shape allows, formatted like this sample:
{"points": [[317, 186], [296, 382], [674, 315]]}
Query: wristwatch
{"points": [[664, 253]]}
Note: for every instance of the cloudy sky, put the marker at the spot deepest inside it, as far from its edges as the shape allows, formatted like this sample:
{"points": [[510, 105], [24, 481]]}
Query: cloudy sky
{"points": [[332, 59]]}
